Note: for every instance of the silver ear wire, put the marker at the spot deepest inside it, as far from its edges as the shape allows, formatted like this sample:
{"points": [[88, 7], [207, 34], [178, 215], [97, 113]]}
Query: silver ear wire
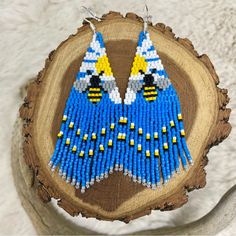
{"points": [[147, 18], [92, 26], [93, 15]]}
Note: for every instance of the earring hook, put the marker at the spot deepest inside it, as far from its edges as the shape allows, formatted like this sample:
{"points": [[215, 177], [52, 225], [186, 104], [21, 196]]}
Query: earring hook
{"points": [[93, 15], [147, 18], [92, 26]]}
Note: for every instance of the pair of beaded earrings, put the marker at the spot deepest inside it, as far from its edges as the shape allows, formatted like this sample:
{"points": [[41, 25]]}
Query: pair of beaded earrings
{"points": [[143, 137]]}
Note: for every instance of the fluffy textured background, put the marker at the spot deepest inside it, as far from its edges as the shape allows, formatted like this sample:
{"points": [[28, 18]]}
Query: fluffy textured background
{"points": [[31, 29]]}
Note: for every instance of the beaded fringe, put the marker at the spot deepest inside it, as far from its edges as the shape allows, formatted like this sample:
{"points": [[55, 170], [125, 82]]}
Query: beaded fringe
{"points": [[144, 137]]}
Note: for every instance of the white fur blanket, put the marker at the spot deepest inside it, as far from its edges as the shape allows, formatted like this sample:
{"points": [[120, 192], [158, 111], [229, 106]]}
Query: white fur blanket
{"points": [[30, 29]]}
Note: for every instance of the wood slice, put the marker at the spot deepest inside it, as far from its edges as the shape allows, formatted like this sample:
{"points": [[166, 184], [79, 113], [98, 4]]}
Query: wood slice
{"points": [[118, 198]]}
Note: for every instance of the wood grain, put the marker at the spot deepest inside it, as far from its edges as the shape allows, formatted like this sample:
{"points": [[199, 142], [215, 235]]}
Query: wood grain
{"points": [[203, 107]]}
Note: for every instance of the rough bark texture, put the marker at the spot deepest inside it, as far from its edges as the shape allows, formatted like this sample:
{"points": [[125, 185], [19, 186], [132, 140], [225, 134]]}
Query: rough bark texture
{"points": [[203, 106]]}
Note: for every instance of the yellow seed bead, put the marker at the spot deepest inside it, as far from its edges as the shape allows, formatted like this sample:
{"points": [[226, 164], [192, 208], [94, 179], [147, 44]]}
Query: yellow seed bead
{"points": [[172, 123], [155, 135], [112, 126], [94, 100], [148, 136], [139, 147], [150, 98], [165, 145], [123, 136], [180, 116], [94, 89], [94, 136], [182, 132], [120, 136], [67, 141], [148, 153], [81, 154], [64, 118], [90, 152], [110, 143], [94, 95], [156, 153], [174, 140], [74, 148], [149, 88], [132, 126], [71, 125], [78, 132], [101, 147], [85, 137], [140, 131], [103, 131], [60, 134], [164, 129], [131, 142], [150, 93]]}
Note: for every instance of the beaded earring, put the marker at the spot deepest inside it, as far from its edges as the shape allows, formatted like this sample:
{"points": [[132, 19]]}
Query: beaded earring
{"points": [[153, 104], [84, 146], [144, 137]]}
